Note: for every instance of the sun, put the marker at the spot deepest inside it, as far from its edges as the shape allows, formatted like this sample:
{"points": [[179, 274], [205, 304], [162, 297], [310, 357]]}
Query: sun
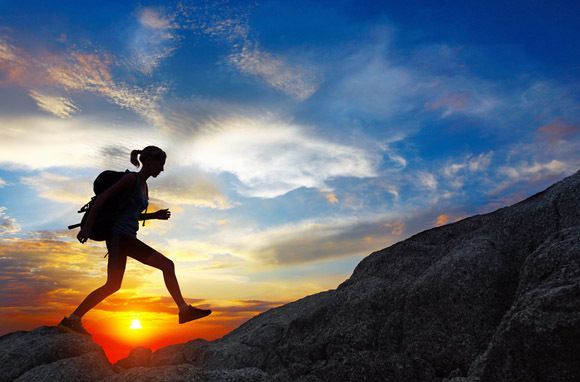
{"points": [[136, 324]]}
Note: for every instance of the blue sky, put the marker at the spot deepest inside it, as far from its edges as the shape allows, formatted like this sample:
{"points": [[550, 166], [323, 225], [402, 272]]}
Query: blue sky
{"points": [[301, 135]]}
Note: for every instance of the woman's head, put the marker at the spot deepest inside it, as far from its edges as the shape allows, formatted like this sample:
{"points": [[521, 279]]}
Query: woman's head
{"points": [[150, 156]]}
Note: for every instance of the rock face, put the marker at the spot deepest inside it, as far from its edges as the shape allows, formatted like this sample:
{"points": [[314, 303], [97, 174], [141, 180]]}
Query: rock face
{"points": [[46, 354], [494, 297]]}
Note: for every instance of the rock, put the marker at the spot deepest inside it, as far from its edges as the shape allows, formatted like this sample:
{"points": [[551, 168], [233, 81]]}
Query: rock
{"points": [[539, 338], [139, 356], [189, 373], [21, 352], [88, 367], [494, 297], [436, 298], [189, 352]]}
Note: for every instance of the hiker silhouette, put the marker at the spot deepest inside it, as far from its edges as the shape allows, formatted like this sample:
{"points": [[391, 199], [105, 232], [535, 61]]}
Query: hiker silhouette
{"points": [[122, 241]]}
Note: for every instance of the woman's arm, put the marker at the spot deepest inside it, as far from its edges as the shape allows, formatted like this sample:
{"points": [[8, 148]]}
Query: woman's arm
{"points": [[123, 184], [161, 215]]}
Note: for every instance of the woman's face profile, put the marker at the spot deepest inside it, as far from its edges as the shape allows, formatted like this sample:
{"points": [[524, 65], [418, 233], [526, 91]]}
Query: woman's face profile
{"points": [[156, 165]]}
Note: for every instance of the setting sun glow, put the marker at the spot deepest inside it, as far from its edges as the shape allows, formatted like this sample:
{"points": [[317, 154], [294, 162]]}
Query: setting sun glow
{"points": [[136, 324]]}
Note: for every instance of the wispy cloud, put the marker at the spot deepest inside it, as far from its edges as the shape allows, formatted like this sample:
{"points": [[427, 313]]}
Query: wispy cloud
{"points": [[154, 39], [90, 72], [295, 77], [298, 81], [558, 130], [7, 52], [75, 71], [532, 172], [62, 107], [60, 188], [428, 180], [8, 225]]}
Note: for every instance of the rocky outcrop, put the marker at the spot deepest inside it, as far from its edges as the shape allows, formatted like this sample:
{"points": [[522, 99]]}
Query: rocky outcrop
{"points": [[494, 297], [46, 354]]}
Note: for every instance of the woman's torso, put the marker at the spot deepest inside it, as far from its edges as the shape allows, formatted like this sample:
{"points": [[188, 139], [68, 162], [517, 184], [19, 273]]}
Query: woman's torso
{"points": [[127, 220]]}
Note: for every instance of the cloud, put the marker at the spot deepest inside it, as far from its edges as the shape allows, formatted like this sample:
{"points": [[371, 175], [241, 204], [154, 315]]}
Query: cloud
{"points": [[230, 25], [456, 172], [62, 107], [314, 240], [297, 81], [154, 39], [2, 183], [43, 142], [427, 180], [528, 172], [8, 225], [80, 72], [330, 197], [442, 219], [7, 52], [187, 185], [558, 130], [273, 158], [60, 188], [90, 72]]}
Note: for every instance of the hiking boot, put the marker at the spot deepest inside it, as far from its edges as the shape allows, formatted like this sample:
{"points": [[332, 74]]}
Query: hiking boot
{"points": [[73, 325], [192, 313]]}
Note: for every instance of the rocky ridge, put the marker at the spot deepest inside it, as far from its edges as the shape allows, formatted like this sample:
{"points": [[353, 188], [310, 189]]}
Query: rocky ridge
{"points": [[493, 297]]}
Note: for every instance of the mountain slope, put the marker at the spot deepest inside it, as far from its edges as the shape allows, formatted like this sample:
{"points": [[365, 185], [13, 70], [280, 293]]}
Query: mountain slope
{"points": [[494, 297]]}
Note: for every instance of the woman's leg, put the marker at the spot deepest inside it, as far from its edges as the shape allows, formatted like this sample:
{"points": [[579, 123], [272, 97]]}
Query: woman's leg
{"points": [[142, 252], [115, 271], [157, 260]]}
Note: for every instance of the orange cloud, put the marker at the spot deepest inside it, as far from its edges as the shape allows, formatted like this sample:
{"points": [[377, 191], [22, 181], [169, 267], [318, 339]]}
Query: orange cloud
{"points": [[330, 197], [442, 219], [558, 130]]}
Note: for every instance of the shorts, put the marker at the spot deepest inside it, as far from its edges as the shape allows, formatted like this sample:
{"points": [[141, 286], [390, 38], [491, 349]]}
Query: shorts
{"points": [[121, 245]]}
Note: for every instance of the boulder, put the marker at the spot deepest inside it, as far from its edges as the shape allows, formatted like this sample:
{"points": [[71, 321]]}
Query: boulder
{"points": [[47, 348]]}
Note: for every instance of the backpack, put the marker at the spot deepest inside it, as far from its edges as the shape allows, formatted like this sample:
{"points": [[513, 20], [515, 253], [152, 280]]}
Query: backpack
{"points": [[109, 210]]}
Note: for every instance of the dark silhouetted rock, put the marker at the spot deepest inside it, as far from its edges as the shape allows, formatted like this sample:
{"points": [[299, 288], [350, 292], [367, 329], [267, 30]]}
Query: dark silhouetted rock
{"points": [[189, 373], [139, 356], [45, 350], [539, 338], [494, 297]]}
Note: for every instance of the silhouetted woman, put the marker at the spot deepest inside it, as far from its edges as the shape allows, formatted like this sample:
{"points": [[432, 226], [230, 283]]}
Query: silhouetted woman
{"points": [[123, 242]]}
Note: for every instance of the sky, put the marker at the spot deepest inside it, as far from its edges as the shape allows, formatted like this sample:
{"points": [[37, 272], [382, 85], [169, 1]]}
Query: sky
{"points": [[301, 136]]}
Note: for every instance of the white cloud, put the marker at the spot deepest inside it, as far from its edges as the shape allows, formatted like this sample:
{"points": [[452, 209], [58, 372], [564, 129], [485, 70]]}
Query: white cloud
{"points": [[154, 40], [7, 52], [190, 186], [532, 172], [480, 163], [297, 81], [60, 188], [62, 107], [43, 142], [2, 183], [272, 158], [8, 225], [428, 180]]}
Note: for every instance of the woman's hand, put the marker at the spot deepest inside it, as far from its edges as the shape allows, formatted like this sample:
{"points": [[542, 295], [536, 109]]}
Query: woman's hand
{"points": [[162, 214], [83, 235]]}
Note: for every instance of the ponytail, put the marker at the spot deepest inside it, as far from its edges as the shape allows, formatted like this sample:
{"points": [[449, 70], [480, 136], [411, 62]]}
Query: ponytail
{"points": [[134, 155], [147, 153]]}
